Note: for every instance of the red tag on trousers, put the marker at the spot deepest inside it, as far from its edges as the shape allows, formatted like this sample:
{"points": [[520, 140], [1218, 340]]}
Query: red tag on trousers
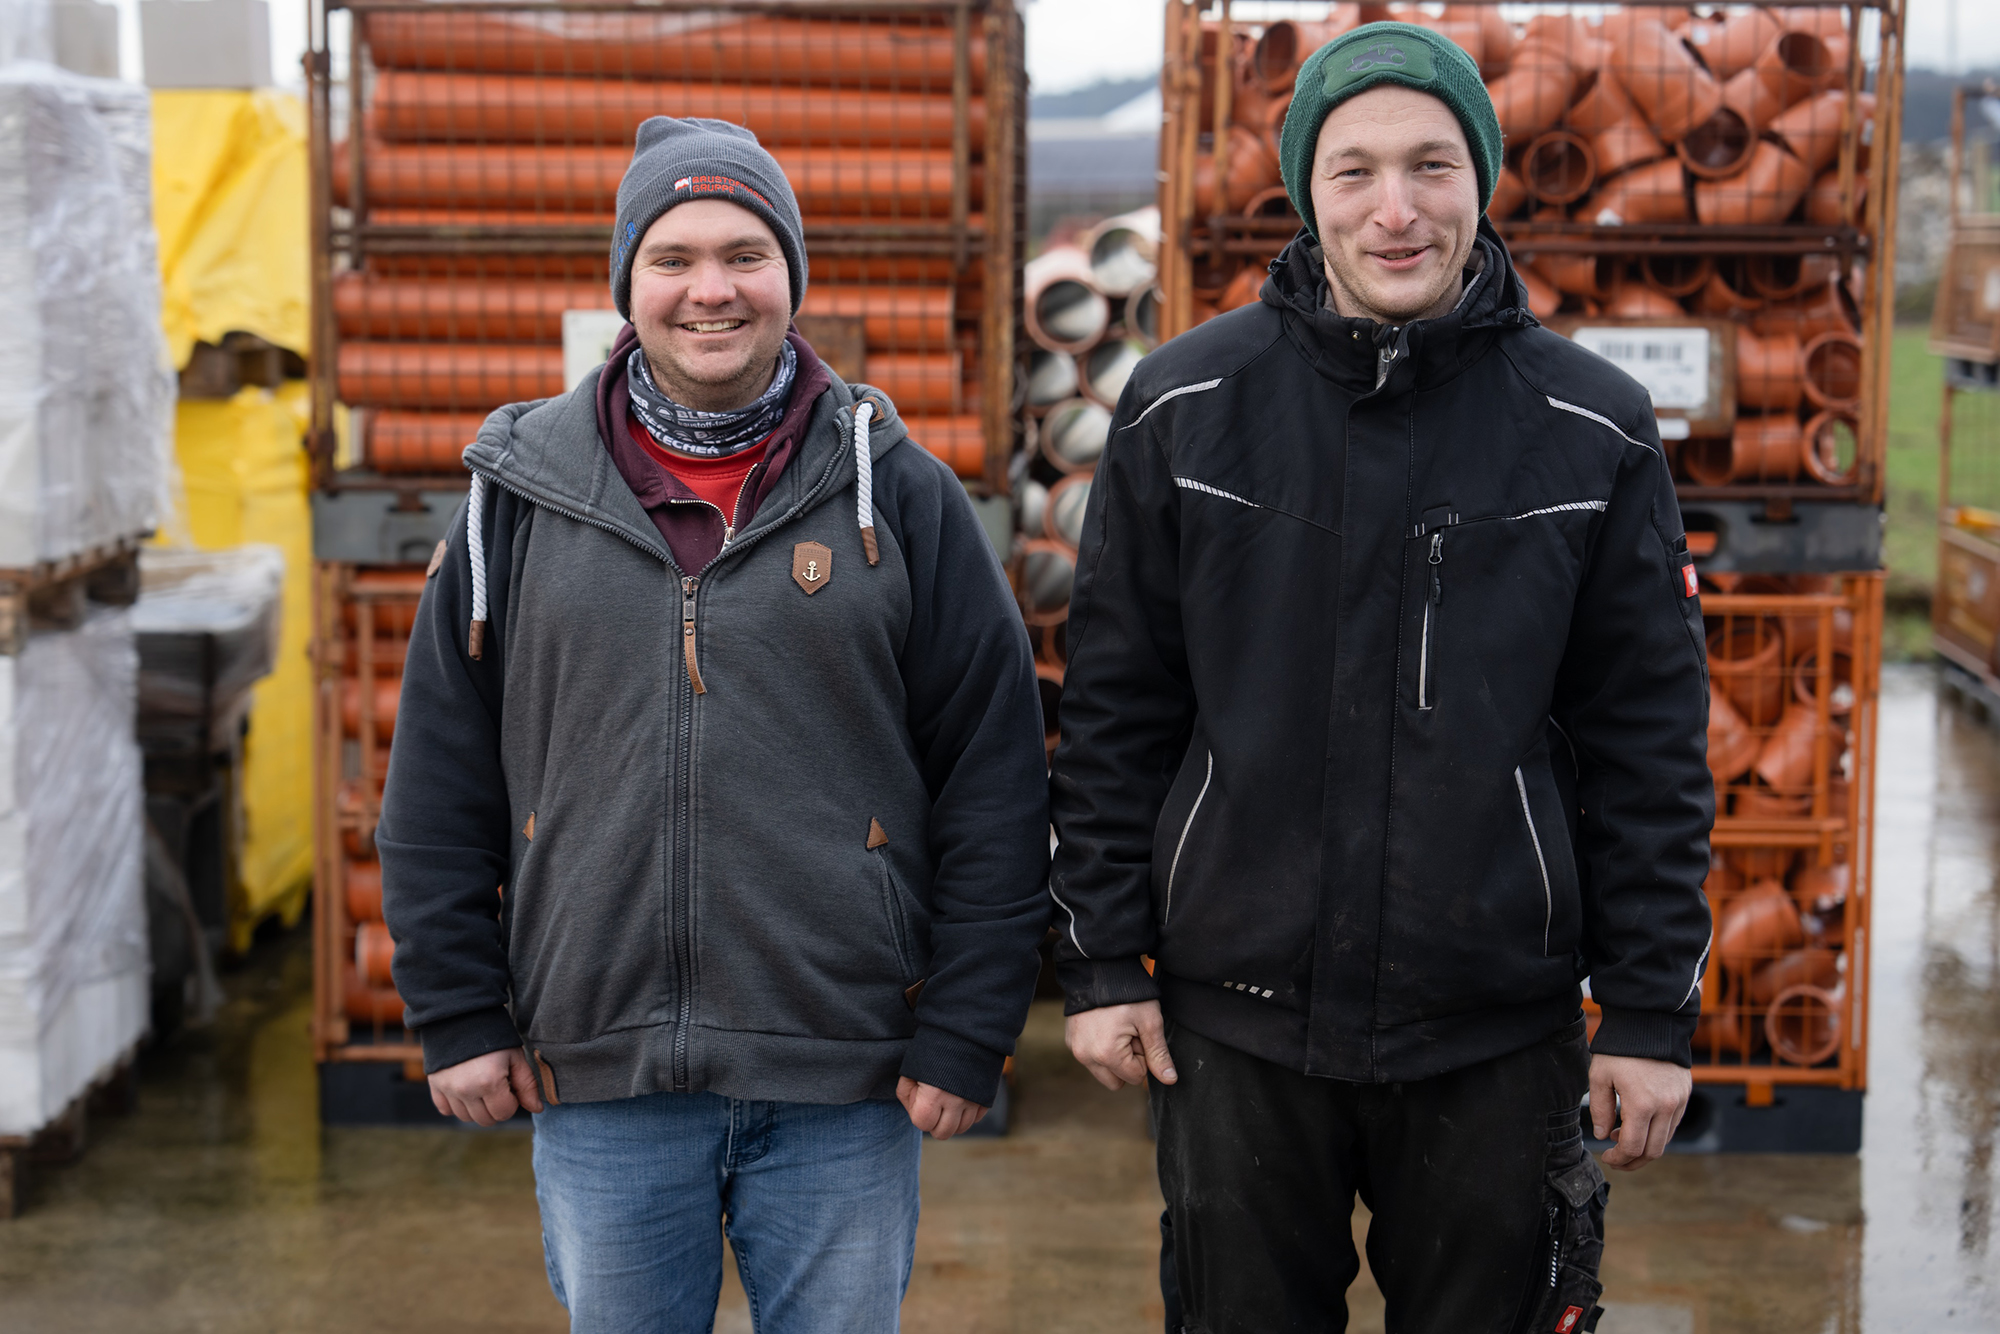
{"points": [[1687, 579]]}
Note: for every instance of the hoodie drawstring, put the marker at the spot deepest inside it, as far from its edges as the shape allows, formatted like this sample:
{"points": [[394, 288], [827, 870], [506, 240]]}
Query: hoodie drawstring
{"points": [[864, 482], [475, 551]]}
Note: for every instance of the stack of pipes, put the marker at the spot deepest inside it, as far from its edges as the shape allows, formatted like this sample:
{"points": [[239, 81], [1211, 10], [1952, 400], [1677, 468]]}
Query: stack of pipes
{"points": [[1640, 116], [1092, 310], [491, 130]]}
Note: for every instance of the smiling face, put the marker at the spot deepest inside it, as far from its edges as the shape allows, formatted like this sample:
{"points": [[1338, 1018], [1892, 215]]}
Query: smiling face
{"points": [[711, 301], [1397, 198]]}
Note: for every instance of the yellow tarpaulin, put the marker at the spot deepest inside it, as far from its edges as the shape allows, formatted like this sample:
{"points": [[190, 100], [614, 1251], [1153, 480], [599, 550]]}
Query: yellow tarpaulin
{"points": [[229, 198]]}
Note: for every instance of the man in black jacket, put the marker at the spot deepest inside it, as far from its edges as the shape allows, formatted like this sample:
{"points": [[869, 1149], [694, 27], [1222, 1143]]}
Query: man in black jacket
{"points": [[1384, 727]]}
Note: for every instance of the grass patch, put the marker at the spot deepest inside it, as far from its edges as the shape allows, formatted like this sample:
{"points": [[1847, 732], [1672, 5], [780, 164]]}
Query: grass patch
{"points": [[1909, 539]]}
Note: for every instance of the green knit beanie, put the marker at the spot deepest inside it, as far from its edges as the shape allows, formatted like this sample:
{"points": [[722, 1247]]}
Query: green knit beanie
{"points": [[1378, 53]]}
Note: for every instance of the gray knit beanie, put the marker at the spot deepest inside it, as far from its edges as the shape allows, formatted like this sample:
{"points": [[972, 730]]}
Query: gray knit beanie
{"points": [[678, 160]]}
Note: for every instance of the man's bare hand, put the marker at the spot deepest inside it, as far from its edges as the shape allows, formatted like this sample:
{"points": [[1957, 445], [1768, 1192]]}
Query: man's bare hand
{"points": [[488, 1089], [1119, 1044], [1643, 1100], [935, 1112]]}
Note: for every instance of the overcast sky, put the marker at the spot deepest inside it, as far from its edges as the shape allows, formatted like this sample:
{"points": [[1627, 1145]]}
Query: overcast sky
{"points": [[1076, 42]]}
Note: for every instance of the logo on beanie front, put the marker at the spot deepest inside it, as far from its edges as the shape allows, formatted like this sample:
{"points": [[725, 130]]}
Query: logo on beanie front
{"points": [[1379, 54], [1409, 59], [717, 185]]}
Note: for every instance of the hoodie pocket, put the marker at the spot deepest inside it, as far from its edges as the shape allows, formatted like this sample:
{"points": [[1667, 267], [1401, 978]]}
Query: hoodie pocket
{"points": [[897, 908]]}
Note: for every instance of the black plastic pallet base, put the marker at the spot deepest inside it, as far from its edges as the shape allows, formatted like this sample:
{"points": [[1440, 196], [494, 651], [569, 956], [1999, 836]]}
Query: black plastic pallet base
{"points": [[1971, 688], [1801, 1119], [374, 1093], [1816, 537]]}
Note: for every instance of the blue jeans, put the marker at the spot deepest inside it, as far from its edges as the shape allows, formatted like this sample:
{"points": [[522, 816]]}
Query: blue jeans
{"points": [[819, 1204]]}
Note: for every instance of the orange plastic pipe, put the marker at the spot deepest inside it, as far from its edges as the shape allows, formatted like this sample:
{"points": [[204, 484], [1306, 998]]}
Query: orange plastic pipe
{"points": [[1803, 1023], [1249, 165], [530, 312], [1655, 192], [1795, 66], [1820, 451], [364, 891], [365, 1004], [373, 953], [1823, 200], [1676, 275], [1718, 147], [1760, 449], [1596, 276], [909, 183], [1619, 135], [388, 689], [641, 45], [1807, 967], [1535, 91], [1785, 762], [1811, 128], [1731, 44], [1782, 277], [1766, 192], [1559, 167], [1665, 81], [1581, 42], [1833, 370], [1761, 924], [417, 105], [1732, 746], [1508, 195], [1746, 660], [1829, 308], [1638, 301], [1769, 375]]}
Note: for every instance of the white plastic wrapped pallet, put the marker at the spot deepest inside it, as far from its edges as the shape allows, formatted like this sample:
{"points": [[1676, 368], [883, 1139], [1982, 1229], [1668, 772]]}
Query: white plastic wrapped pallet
{"points": [[74, 984], [86, 395]]}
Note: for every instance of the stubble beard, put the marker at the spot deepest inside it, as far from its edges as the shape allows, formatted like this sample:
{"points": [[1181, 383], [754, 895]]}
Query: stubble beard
{"points": [[710, 393]]}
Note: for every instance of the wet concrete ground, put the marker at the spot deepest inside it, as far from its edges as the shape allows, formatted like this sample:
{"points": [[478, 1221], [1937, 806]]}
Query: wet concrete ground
{"points": [[223, 1207]]}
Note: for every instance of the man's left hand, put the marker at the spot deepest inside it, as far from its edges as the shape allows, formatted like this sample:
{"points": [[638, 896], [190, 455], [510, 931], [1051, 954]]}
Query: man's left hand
{"points": [[935, 1112], [1642, 1100]]}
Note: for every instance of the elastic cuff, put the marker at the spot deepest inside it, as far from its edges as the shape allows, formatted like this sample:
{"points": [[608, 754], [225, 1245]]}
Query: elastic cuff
{"points": [[449, 1042], [1648, 1034], [1092, 984], [957, 1065]]}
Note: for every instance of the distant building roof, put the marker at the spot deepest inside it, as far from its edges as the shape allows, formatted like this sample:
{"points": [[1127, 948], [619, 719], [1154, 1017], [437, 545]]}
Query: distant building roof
{"points": [[1115, 152]]}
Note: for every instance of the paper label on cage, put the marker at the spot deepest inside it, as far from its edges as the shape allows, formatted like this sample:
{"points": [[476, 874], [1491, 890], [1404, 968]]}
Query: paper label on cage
{"points": [[1671, 363], [587, 339]]}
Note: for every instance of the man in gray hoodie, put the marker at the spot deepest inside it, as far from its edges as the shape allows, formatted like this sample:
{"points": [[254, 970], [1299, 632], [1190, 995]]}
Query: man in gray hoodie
{"points": [[715, 832]]}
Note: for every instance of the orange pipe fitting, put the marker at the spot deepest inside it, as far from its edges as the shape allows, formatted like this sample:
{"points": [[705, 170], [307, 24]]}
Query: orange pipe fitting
{"points": [[1676, 275], [1730, 45], [1817, 967], [1619, 135], [1073, 435], [1769, 373], [373, 953], [1580, 41], [1782, 277], [1804, 647], [846, 182], [1535, 91], [1760, 803], [1803, 1023], [1760, 449], [1495, 35], [1048, 568], [1766, 863], [1827, 309], [1759, 925], [1821, 889], [1793, 67], [1558, 167], [1509, 194], [388, 689], [1811, 128], [757, 49], [1638, 301], [1064, 310], [374, 1006], [1655, 192], [1249, 165], [1243, 288], [1833, 370], [1284, 46], [1665, 80], [1821, 446], [1543, 299], [1718, 147], [1823, 207], [413, 105], [1785, 762], [1746, 662], [1723, 295], [1732, 746], [1767, 191], [1595, 276], [364, 891]]}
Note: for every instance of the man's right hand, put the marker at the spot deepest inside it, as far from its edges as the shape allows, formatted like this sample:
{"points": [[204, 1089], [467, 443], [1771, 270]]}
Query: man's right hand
{"points": [[486, 1090], [1119, 1044]]}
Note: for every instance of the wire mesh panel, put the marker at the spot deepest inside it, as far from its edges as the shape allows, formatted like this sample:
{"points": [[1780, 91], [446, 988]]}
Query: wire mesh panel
{"points": [[473, 207], [1695, 190]]}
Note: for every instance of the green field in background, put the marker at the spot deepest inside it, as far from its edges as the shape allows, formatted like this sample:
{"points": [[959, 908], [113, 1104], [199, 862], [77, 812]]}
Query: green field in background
{"points": [[1910, 539]]}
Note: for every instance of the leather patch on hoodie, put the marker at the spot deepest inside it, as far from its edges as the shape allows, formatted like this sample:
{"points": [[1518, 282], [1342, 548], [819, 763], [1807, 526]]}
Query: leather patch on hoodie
{"points": [[812, 566], [528, 829], [437, 560], [914, 990], [548, 1079], [878, 837]]}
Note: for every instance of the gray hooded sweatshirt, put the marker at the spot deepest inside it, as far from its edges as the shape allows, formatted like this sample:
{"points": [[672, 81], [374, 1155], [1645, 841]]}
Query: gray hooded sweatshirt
{"points": [[776, 828]]}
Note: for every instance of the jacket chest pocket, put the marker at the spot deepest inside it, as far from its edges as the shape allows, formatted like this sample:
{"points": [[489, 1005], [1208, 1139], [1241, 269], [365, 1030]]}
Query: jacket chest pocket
{"points": [[1430, 540]]}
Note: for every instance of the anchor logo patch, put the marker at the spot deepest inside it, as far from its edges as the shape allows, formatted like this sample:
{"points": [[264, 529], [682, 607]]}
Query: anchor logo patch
{"points": [[812, 566]]}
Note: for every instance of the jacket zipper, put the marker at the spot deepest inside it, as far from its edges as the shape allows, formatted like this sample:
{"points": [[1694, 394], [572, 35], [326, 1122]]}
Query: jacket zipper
{"points": [[1173, 867], [689, 586], [682, 887], [1548, 895], [1431, 604]]}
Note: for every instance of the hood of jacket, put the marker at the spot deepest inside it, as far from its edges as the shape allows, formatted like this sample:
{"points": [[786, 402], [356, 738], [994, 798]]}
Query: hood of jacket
{"points": [[1349, 350]]}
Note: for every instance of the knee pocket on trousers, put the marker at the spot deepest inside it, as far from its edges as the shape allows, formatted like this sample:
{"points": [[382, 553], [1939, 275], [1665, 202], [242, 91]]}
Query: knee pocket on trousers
{"points": [[1564, 1287]]}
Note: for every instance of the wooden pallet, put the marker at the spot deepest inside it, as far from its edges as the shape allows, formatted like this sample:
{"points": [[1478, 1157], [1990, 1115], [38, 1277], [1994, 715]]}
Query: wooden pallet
{"points": [[51, 595], [63, 1140]]}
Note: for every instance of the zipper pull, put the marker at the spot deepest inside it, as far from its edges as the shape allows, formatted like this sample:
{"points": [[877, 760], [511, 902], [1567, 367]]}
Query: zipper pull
{"points": [[1437, 559], [688, 587]]}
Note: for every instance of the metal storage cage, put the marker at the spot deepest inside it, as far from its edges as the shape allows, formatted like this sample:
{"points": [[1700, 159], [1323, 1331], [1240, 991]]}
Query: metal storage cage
{"points": [[465, 159], [1693, 185]]}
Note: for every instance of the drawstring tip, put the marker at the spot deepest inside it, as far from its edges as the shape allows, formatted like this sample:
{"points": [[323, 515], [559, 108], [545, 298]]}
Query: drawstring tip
{"points": [[475, 647], [868, 545]]}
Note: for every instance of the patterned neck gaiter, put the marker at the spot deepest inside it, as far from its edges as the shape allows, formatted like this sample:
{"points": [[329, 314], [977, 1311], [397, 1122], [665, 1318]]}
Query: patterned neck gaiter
{"points": [[708, 434]]}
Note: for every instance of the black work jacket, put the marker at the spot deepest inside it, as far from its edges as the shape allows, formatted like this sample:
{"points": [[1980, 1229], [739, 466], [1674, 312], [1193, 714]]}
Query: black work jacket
{"points": [[1385, 717]]}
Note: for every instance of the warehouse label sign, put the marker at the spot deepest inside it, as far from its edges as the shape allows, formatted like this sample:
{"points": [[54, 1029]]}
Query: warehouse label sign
{"points": [[1672, 364]]}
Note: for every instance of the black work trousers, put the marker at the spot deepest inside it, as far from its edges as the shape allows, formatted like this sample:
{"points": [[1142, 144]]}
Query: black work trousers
{"points": [[1488, 1210]]}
